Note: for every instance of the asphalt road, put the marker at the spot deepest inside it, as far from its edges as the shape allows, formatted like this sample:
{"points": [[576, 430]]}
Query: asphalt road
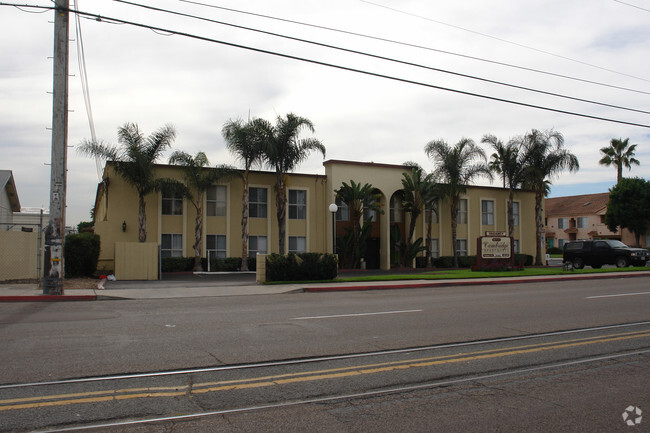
{"points": [[580, 380]]}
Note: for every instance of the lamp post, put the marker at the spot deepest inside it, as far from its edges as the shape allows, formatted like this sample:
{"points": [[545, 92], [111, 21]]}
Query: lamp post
{"points": [[333, 208]]}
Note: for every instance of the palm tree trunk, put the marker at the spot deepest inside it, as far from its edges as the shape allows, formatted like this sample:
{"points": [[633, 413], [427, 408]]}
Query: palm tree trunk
{"points": [[429, 240], [244, 225], [511, 218], [619, 172], [142, 220], [539, 221], [198, 233], [281, 204], [454, 226]]}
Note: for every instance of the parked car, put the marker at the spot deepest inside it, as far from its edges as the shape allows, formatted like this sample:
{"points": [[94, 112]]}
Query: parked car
{"points": [[603, 252]]}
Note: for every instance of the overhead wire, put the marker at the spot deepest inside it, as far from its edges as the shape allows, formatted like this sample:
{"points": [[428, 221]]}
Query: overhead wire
{"points": [[505, 40], [407, 44], [632, 6], [375, 56], [360, 71]]}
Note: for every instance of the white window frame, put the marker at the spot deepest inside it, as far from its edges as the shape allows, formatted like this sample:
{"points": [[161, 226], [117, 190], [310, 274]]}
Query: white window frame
{"points": [[216, 251], [173, 199], [216, 205], [515, 213], [297, 210], [175, 247], [516, 247], [487, 212], [435, 248], [343, 211], [582, 222], [461, 251], [462, 211], [563, 223], [254, 245], [435, 218], [260, 207], [297, 244], [396, 209]]}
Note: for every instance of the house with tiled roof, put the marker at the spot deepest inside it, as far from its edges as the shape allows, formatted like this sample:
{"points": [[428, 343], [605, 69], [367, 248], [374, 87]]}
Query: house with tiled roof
{"points": [[580, 217]]}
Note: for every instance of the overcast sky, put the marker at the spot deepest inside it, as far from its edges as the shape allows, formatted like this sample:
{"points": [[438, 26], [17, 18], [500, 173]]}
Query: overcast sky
{"points": [[152, 78]]}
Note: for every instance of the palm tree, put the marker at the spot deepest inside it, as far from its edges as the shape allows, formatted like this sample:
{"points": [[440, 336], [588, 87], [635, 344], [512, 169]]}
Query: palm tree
{"points": [[243, 140], [545, 157], [198, 178], [416, 187], [358, 198], [134, 161], [456, 168], [619, 153], [508, 162], [283, 151]]}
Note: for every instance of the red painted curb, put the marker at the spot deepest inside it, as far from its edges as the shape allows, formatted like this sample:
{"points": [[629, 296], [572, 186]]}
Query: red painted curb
{"points": [[48, 298], [451, 283]]}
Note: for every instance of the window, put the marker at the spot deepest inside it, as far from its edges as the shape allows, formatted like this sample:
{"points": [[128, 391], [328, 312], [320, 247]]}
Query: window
{"points": [[396, 209], [515, 245], [434, 215], [515, 213], [561, 242], [563, 223], [171, 245], [583, 222], [297, 244], [487, 212], [297, 204], [435, 248], [172, 202], [462, 211], [461, 247], [256, 244], [216, 200], [215, 246], [343, 212], [369, 214], [257, 202]]}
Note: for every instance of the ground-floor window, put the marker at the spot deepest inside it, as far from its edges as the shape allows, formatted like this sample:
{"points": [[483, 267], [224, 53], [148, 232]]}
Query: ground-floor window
{"points": [[561, 242], [461, 247], [515, 245], [435, 248], [215, 246], [171, 245], [297, 244], [256, 244]]}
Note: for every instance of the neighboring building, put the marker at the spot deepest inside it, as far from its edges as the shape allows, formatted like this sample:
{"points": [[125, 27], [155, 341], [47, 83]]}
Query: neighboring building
{"points": [[170, 220], [582, 217], [9, 202], [31, 219]]}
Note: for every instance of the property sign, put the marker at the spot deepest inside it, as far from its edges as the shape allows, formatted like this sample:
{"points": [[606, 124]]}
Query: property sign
{"points": [[496, 247]]}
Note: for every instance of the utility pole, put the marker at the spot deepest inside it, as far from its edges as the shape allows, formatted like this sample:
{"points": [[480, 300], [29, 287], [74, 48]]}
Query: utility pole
{"points": [[55, 231]]}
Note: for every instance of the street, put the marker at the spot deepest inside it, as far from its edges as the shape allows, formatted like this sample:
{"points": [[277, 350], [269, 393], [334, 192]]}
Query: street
{"points": [[570, 356]]}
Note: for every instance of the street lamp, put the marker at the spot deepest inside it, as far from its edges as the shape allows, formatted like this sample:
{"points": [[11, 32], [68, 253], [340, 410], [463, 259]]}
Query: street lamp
{"points": [[333, 208]]}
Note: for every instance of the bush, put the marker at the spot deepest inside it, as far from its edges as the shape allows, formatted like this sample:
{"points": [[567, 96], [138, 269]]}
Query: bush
{"points": [[523, 260], [81, 254], [301, 267], [497, 266], [448, 261], [554, 250], [227, 264], [177, 264]]}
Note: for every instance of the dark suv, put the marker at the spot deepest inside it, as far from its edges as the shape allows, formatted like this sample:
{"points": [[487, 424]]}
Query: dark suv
{"points": [[603, 252]]}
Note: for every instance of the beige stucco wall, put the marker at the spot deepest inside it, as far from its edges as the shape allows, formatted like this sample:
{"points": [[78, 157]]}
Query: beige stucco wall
{"points": [[18, 255]]}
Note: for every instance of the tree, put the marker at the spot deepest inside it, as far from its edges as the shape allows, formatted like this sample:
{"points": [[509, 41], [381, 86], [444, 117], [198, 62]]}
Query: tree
{"points": [[629, 207], [135, 161], [244, 141], [358, 198], [456, 167], [619, 153], [417, 191], [198, 178], [545, 158], [283, 151], [508, 162]]}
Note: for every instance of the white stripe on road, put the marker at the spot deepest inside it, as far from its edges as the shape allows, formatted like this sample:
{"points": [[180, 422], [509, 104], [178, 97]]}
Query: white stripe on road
{"points": [[357, 314], [616, 296]]}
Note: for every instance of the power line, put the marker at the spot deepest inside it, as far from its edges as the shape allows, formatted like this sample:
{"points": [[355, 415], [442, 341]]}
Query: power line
{"points": [[504, 40], [375, 56], [360, 71], [494, 62], [631, 5]]}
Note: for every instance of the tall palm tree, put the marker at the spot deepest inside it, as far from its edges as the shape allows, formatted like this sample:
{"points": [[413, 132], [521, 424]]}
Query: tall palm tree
{"points": [[456, 167], [283, 151], [358, 198], [416, 187], [244, 141], [619, 153], [134, 161], [545, 158], [198, 178], [508, 162]]}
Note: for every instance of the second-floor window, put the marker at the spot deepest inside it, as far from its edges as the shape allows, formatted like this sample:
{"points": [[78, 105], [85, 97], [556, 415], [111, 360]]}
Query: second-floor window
{"points": [[343, 211], [172, 202], [515, 213], [396, 209], [563, 223], [487, 212], [462, 211], [216, 200], [434, 215], [297, 204], [583, 222], [257, 202]]}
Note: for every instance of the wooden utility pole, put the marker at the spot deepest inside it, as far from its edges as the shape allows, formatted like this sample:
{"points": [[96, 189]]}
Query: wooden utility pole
{"points": [[55, 231]]}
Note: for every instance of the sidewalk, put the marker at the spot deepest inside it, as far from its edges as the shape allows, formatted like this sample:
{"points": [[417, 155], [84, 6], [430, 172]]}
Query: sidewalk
{"points": [[193, 286]]}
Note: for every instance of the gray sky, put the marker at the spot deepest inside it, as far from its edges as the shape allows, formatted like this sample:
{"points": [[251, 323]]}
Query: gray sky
{"points": [[138, 75]]}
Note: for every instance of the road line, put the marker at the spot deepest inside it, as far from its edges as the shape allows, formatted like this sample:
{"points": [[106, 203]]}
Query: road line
{"points": [[357, 314], [616, 296]]}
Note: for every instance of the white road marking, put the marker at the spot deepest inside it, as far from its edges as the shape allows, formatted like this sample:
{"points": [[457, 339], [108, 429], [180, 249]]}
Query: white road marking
{"points": [[357, 314], [616, 296]]}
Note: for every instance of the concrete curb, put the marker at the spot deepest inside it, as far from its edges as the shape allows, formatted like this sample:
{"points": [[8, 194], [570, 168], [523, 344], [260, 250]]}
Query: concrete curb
{"points": [[47, 298], [477, 282]]}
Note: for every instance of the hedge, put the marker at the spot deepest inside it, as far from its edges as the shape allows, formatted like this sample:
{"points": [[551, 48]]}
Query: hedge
{"points": [[81, 254], [301, 267], [186, 264]]}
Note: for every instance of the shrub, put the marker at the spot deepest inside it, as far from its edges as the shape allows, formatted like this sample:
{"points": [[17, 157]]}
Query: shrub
{"points": [[301, 267], [81, 254], [497, 266], [177, 264], [554, 250], [523, 260]]}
